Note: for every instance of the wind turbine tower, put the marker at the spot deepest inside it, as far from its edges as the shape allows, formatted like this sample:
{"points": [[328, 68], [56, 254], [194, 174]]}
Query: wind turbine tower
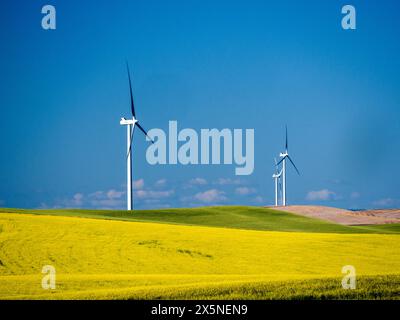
{"points": [[277, 178], [284, 156], [131, 124]]}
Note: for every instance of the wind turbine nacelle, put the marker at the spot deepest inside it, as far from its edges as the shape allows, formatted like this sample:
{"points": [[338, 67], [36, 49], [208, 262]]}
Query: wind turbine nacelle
{"points": [[124, 121], [282, 155]]}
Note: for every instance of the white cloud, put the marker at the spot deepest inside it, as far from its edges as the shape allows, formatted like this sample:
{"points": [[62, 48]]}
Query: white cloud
{"points": [[227, 181], [161, 183], [386, 202], [77, 199], [210, 196], [259, 199], [78, 196], [198, 181], [111, 199], [323, 194], [113, 194], [150, 194], [43, 205], [244, 190], [96, 195], [138, 184]]}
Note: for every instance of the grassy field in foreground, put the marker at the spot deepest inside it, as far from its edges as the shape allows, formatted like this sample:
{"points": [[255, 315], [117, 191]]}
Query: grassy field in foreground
{"points": [[97, 258], [252, 218]]}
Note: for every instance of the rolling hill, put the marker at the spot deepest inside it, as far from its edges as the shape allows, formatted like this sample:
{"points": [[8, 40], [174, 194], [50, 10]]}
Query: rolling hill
{"points": [[113, 255], [242, 217], [345, 217]]}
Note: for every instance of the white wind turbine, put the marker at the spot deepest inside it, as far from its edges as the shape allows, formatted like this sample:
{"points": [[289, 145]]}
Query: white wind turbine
{"points": [[130, 124], [277, 177], [284, 156]]}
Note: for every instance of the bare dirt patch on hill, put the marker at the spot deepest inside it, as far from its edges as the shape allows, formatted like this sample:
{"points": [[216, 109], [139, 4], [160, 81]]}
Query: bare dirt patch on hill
{"points": [[346, 217]]}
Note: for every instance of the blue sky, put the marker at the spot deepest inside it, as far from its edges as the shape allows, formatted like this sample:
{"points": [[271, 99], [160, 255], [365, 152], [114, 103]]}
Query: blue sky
{"points": [[206, 64]]}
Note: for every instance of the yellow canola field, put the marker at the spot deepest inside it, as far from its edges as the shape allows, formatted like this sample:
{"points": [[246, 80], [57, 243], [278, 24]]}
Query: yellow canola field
{"points": [[96, 258]]}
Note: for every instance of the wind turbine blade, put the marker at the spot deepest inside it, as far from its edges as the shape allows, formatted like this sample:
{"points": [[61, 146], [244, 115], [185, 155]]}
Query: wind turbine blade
{"points": [[276, 166], [286, 143], [144, 131], [293, 165], [130, 90], [130, 146], [280, 161]]}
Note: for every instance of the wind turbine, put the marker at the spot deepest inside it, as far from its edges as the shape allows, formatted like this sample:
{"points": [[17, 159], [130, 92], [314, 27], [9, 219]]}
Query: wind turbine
{"points": [[277, 177], [284, 156], [130, 124]]}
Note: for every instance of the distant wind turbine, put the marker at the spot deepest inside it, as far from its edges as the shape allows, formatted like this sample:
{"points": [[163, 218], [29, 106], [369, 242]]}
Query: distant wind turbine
{"points": [[277, 177], [284, 156], [130, 124]]}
